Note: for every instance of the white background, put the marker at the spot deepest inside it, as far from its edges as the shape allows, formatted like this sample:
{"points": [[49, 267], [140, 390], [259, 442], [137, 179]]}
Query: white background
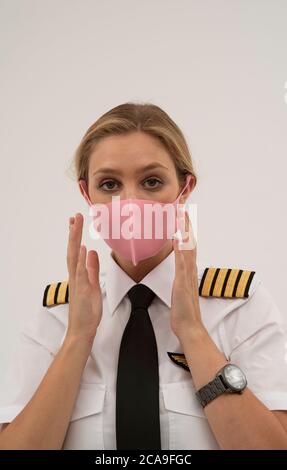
{"points": [[217, 67]]}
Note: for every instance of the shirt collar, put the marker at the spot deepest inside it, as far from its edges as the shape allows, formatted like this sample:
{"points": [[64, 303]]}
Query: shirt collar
{"points": [[160, 280]]}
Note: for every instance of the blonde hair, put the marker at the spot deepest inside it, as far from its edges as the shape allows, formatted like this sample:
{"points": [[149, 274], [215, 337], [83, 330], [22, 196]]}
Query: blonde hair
{"points": [[131, 117]]}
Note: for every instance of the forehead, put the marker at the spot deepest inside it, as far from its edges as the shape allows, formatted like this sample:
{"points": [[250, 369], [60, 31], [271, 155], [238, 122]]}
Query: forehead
{"points": [[134, 149]]}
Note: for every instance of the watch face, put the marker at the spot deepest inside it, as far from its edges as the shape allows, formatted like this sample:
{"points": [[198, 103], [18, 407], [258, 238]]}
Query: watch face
{"points": [[234, 377]]}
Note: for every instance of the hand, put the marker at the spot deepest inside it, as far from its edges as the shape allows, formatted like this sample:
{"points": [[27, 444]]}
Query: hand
{"points": [[185, 311], [85, 296]]}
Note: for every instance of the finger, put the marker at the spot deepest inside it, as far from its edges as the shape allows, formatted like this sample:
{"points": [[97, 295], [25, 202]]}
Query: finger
{"points": [[93, 266], [81, 271], [187, 227], [179, 261], [189, 242], [188, 249], [192, 239], [183, 226], [74, 243]]}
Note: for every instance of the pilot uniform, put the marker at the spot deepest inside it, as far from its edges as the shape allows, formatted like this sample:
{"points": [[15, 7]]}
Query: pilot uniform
{"points": [[238, 312]]}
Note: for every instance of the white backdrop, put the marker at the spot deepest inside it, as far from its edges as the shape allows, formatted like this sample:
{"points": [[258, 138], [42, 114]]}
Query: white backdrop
{"points": [[218, 67]]}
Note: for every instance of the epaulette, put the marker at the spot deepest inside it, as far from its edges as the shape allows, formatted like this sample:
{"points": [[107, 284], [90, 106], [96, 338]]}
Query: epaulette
{"points": [[56, 293], [215, 282], [225, 282]]}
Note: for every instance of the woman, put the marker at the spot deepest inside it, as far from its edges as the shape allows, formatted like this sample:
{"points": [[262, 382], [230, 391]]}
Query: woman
{"points": [[97, 363]]}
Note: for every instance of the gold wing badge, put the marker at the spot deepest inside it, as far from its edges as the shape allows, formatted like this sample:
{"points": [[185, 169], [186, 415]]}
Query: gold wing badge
{"points": [[179, 359], [219, 282]]}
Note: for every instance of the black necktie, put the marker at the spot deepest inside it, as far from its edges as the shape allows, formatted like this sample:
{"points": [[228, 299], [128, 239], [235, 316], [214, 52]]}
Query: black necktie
{"points": [[137, 394]]}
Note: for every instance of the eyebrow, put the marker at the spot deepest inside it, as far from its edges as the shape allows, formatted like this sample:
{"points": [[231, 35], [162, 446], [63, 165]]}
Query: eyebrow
{"points": [[151, 166]]}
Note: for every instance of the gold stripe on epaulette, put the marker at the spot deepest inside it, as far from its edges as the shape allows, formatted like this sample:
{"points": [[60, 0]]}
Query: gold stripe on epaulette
{"points": [[179, 359], [225, 282], [56, 293]]}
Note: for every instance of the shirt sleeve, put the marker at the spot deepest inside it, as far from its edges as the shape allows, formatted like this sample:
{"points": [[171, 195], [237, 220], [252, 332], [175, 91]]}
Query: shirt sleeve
{"points": [[256, 334], [36, 346]]}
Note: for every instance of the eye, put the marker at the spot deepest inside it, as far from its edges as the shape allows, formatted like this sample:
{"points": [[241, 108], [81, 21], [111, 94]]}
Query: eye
{"points": [[154, 183], [110, 184]]}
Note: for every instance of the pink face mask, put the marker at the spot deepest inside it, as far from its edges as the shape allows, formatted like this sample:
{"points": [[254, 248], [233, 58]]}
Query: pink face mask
{"points": [[135, 228]]}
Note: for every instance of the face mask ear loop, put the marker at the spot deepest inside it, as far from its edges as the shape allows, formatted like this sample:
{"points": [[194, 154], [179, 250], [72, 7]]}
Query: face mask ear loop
{"points": [[185, 186]]}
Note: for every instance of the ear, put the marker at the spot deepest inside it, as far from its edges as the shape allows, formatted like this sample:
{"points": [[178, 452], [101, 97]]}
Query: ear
{"points": [[84, 190]]}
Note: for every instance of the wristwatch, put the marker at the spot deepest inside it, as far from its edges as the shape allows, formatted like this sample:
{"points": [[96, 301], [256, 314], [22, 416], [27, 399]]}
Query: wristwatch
{"points": [[229, 379]]}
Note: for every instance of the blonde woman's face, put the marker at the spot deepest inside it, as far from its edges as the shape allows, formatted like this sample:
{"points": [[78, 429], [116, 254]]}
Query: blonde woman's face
{"points": [[133, 166]]}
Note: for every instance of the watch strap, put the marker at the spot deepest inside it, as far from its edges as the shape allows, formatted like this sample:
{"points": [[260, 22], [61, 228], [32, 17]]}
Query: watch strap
{"points": [[208, 392]]}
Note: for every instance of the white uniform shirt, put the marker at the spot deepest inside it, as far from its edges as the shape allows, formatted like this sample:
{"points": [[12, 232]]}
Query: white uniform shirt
{"points": [[249, 331]]}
